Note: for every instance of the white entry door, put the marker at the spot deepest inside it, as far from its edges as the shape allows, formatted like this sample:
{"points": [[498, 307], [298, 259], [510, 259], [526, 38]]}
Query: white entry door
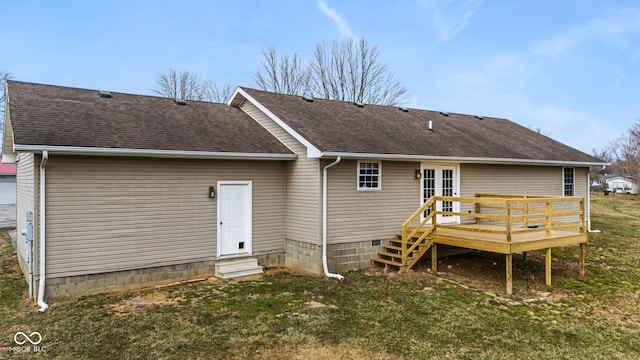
{"points": [[234, 218], [440, 180]]}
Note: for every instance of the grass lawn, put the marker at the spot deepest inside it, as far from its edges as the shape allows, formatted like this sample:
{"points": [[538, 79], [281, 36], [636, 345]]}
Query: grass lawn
{"points": [[460, 313]]}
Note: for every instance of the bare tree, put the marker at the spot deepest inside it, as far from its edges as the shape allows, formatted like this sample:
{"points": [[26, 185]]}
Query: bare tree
{"points": [[604, 155], [179, 85], [346, 70], [540, 130], [286, 74], [187, 85], [626, 153], [351, 70], [209, 91], [4, 76]]}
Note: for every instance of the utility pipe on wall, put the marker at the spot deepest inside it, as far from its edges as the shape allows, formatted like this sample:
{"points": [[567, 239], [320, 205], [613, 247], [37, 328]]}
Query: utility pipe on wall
{"points": [[324, 222], [41, 285], [589, 203]]}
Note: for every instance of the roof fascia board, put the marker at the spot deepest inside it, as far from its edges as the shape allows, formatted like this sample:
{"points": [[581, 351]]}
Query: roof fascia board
{"points": [[469, 160], [76, 150], [312, 151], [233, 100]]}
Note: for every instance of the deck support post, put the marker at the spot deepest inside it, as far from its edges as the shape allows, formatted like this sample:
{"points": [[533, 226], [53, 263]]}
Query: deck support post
{"points": [[547, 267], [509, 268], [583, 249], [524, 256], [434, 257]]}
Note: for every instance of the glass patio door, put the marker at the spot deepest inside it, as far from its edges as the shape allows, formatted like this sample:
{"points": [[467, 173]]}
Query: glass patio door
{"points": [[440, 180]]}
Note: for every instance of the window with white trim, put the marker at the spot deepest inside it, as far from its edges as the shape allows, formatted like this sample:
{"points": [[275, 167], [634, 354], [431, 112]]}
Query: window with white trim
{"points": [[568, 181], [369, 175]]}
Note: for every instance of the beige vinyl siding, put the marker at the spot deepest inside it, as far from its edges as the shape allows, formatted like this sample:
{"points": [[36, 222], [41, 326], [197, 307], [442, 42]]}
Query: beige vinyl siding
{"points": [[109, 214], [517, 179], [581, 179], [373, 214], [510, 179], [303, 186], [25, 195]]}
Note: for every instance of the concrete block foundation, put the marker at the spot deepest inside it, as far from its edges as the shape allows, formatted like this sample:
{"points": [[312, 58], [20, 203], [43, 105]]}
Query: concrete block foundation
{"points": [[74, 286], [340, 257]]}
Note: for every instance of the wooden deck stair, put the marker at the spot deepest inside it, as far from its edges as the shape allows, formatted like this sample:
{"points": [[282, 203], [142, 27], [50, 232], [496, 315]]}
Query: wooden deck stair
{"points": [[501, 223], [409, 246], [392, 254]]}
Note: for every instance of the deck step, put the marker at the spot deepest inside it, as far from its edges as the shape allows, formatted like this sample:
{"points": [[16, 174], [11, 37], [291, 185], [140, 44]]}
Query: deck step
{"points": [[392, 249], [228, 269], [392, 254], [393, 257], [387, 262], [398, 254]]}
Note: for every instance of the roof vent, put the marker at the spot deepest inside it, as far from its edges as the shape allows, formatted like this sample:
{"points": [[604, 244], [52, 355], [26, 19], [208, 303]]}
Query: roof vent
{"points": [[444, 113], [430, 125], [403, 109], [180, 102], [479, 117], [307, 98], [358, 104], [105, 94]]}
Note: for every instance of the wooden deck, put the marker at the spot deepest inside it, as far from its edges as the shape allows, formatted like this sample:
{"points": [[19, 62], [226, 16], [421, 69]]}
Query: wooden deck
{"points": [[483, 237], [504, 224]]}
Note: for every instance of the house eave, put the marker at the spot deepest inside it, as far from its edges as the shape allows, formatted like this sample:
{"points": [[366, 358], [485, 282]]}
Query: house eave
{"points": [[312, 150], [75, 150], [457, 159]]}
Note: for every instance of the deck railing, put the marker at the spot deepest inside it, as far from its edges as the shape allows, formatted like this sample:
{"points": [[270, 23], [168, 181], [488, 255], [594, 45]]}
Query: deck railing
{"points": [[424, 228], [534, 213], [511, 213]]}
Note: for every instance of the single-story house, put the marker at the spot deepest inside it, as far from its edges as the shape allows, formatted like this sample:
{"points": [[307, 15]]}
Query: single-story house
{"points": [[618, 184], [125, 191]]}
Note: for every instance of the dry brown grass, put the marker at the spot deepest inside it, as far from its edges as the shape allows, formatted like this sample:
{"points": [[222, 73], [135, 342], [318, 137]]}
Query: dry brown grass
{"points": [[459, 313]]}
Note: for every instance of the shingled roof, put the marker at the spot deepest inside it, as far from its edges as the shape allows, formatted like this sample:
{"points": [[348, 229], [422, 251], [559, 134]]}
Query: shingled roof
{"points": [[70, 119], [339, 127]]}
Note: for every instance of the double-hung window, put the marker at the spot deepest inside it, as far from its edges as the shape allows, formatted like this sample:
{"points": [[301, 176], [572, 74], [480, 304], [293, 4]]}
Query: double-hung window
{"points": [[369, 175], [568, 181]]}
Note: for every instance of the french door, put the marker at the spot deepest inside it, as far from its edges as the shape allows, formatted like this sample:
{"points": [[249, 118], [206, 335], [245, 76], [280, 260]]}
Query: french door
{"points": [[440, 180]]}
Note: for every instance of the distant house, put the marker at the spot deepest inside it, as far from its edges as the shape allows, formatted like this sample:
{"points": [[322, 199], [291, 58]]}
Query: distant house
{"points": [[7, 184], [267, 176], [619, 184]]}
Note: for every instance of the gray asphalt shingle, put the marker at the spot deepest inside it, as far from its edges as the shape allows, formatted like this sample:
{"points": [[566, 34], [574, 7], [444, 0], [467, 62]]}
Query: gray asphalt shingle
{"points": [[339, 126], [62, 116]]}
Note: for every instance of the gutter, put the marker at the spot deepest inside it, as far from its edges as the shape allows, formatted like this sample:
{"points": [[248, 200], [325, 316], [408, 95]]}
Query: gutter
{"points": [[324, 222], [468, 160], [41, 283], [79, 150], [589, 203]]}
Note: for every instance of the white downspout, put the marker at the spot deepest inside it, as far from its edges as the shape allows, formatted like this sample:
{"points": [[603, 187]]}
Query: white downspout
{"points": [[41, 286], [324, 222], [589, 204]]}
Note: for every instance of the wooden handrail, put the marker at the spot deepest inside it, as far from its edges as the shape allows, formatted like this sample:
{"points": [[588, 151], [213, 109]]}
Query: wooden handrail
{"points": [[406, 234], [515, 209], [417, 213]]}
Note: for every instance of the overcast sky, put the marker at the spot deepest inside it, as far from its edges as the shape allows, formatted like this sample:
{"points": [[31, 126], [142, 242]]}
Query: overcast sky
{"points": [[568, 67]]}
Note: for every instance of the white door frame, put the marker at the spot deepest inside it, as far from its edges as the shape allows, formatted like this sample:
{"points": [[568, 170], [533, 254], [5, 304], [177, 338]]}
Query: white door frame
{"points": [[438, 188], [248, 243]]}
